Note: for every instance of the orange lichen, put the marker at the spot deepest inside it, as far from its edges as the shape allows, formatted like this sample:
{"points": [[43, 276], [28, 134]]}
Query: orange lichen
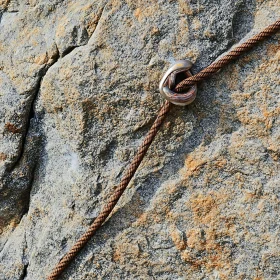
{"points": [[207, 33], [192, 54], [220, 162], [272, 49], [145, 10], [116, 256], [92, 23], [184, 7], [41, 59], [125, 249], [142, 220], [178, 239], [193, 164], [3, 156], [211, 227], [4, 3], [155, 31], [204, 207], [196, 24], [194, 239], [137, 13]]}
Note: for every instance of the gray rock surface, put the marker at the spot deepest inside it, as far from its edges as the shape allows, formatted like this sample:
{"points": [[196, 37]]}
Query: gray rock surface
{"points": [[78, 92]]}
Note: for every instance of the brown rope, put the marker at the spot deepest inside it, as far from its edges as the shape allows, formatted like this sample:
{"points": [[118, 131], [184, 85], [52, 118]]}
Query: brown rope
{"points": [[211, 69], [230, 56], [115, 196]]}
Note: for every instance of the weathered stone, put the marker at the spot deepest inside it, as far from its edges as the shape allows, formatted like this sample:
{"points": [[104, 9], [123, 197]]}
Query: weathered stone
{"points": [[79, 90]]}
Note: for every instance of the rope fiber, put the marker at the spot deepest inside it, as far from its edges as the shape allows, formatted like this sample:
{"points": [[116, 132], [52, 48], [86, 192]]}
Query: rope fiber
{"points": [[208, 71], [229, 57], [115, 196]]}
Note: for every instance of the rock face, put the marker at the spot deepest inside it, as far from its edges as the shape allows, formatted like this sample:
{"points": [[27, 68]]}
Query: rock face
{"points": [[79, 90]]}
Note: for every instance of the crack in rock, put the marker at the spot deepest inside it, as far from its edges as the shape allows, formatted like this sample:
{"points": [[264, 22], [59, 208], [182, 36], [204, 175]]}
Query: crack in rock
{"points": [[29, 152], [24, 272], [24, 260], [32, 112]]}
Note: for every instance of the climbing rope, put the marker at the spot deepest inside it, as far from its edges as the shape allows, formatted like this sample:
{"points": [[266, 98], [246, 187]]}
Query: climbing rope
{"points": [[229, 57], [186, 83], [115, 196]]}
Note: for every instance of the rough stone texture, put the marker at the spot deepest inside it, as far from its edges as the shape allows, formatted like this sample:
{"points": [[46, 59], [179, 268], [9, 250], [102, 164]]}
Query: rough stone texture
{"points": [[78, 84]]}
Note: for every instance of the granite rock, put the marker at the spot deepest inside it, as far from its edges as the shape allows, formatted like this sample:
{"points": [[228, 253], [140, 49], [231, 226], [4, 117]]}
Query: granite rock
{"points": [[79, 90]]}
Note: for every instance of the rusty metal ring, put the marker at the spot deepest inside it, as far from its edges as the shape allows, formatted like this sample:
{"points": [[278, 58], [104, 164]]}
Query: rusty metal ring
{"points": [[168, 82]]}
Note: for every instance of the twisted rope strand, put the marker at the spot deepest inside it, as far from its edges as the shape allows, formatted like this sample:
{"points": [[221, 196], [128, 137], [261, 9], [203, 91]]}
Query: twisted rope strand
{"points": [[64, 262], [230, 56], [208, 71]]}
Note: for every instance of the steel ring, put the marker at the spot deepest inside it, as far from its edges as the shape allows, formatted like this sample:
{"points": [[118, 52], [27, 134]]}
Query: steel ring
{"points": [[168, 82]]}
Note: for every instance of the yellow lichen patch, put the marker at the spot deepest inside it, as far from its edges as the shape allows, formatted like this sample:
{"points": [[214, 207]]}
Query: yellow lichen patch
{"points": [[249, 195], [272, 50], [220, 162], [185, 8], [212, 226], [70, 96], [157, 215], [182, 33], [3, 156], [274, 150], [145, 10], [87, 8], [114, 5], [232, 82], [263, 10], [200, 160], [192, 54], [47, 96], [155, 31], [172, 187], [60, 30], [258, 278], [208, 34], [173, 216], [125, 249], [41, 59], [194, 239], [31, 35], [142, 220], [4, 4], [196, 24], [137, 13], [92, 23], [239, 96], [193, 164], [177, 238], [259, 115], [206, 207]]}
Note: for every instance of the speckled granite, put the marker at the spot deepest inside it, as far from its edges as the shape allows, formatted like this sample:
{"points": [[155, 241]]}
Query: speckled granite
{"points": [[78, 92]]}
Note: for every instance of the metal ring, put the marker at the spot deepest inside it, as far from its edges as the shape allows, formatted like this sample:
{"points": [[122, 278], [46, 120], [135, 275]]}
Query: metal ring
{"points": [[168, 82]]}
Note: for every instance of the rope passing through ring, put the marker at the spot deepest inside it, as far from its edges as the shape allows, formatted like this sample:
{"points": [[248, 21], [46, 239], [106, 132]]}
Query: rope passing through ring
{"points": [[181, 87], [168, 82]]}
